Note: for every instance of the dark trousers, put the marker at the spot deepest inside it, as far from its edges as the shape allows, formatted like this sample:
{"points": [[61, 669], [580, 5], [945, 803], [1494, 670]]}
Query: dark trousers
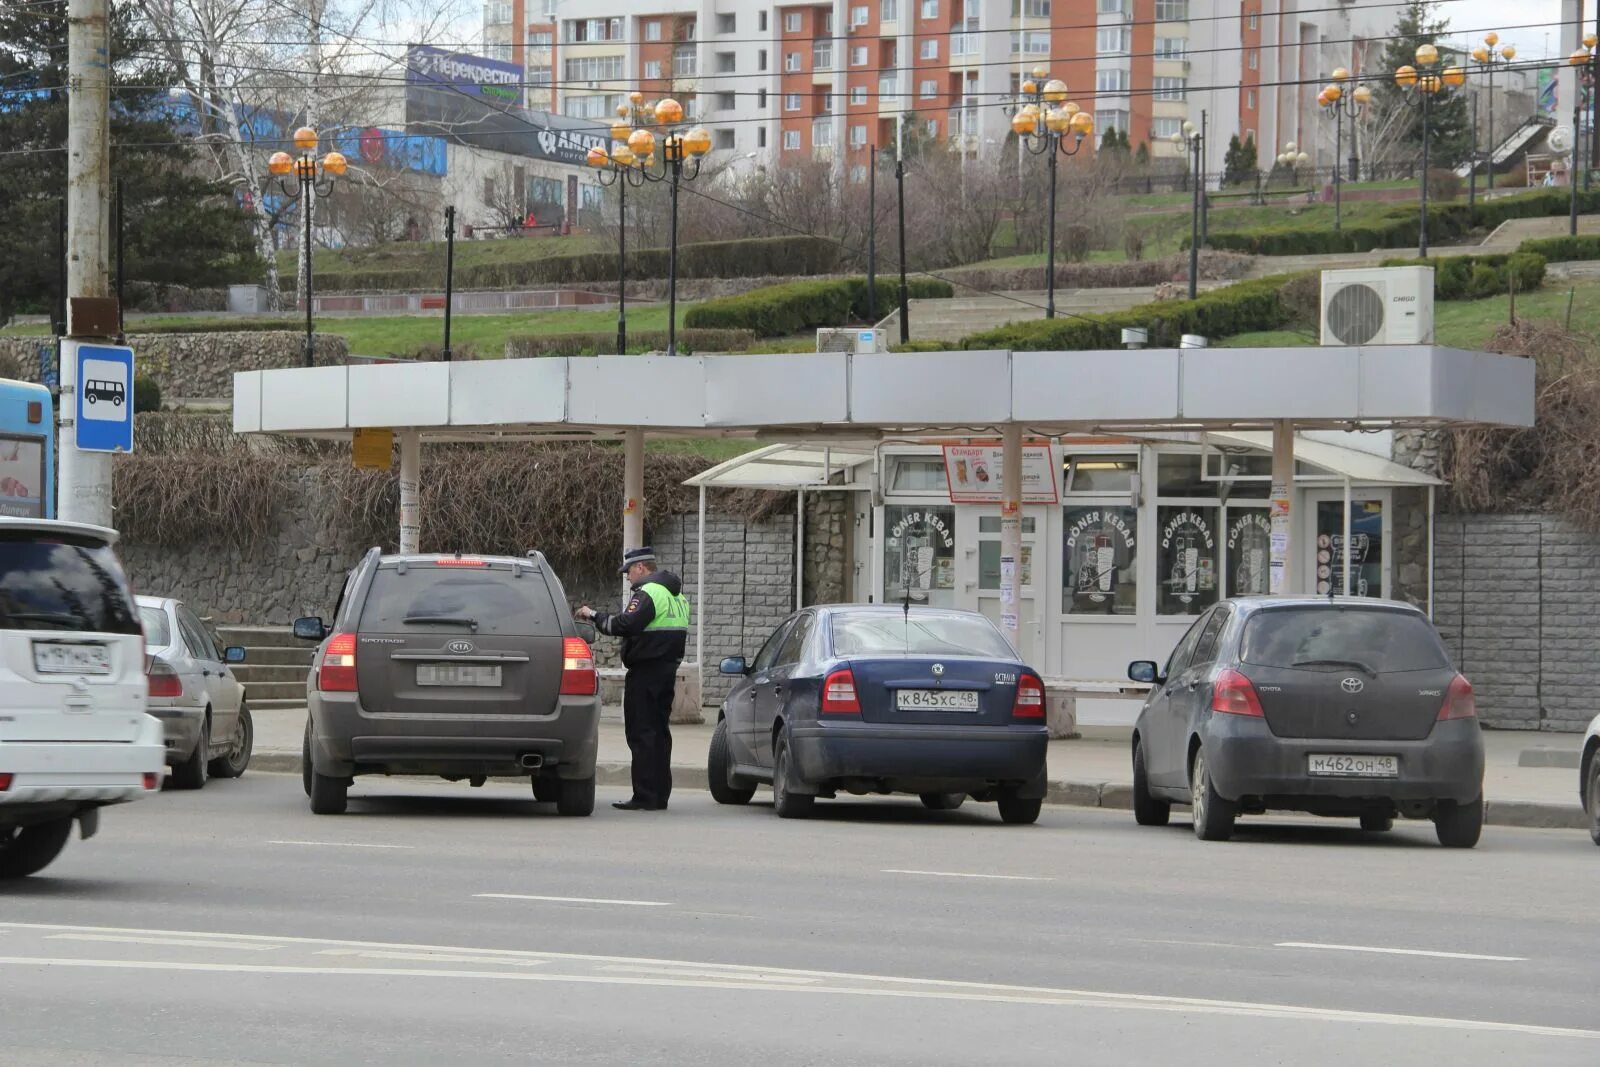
{"points": [[646, 709]]}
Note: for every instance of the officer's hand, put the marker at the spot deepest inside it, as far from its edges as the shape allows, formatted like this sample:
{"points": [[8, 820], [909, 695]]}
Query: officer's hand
{"points": [[586, 613]]}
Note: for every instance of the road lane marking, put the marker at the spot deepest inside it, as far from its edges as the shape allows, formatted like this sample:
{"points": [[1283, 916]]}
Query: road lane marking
{"points": [[576, 900], [428, 957], [1401, 951], [173, 942], [704, 972], [963, 874], [338, 844]]}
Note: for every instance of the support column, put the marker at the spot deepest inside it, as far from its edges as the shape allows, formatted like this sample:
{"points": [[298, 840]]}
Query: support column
{"points": [[1284, 577], [700, 589], [799, 549], [632, 494], [1010, 532], [410, 492]]}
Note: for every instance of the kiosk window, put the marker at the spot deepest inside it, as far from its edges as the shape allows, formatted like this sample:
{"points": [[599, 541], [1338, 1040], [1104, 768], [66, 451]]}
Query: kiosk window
{"points": [[1186, 559], [1100, 473]]}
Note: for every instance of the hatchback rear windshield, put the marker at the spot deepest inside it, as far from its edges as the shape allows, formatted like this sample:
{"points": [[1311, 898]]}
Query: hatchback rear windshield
{"points": [[459, 600], [63, 583], [1324, 638], [919, 633], [157, 632]]}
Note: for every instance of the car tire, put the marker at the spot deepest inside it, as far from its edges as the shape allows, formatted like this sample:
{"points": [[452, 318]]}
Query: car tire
{"points": [[1015, 811], [546, 790], [1459, 825], [575, 796], [788, 805], [1594, 801], [719, 770], [1147, 809], [329, 796], [1377, 824], [1213, 815], [26, 850], [305, 759], [237, 759], [943, 801], [191, 773]]}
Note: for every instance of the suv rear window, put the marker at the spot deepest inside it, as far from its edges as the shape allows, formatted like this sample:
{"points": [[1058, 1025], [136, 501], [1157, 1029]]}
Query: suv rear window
{"points": [[1335, 638], [458, 600], [63, 583]]}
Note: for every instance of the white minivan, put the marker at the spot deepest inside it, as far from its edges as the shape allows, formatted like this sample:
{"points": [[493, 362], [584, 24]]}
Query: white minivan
{"points": [[74, 735]]}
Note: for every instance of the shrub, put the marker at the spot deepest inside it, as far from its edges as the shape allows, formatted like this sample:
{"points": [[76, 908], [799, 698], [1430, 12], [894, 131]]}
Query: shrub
{"points": [[220, 325], [146, 395], [1476, 277], [1559, 249], [591, 344], [1443, 184], [781, 310]]}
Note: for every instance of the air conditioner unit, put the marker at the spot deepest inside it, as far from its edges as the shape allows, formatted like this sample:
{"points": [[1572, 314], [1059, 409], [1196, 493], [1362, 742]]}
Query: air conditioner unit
{"points": [[848, 340], [1384, 306]]}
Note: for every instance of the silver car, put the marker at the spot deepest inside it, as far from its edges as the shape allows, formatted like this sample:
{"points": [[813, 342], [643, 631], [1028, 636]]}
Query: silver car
{"points": [[194, 694]]}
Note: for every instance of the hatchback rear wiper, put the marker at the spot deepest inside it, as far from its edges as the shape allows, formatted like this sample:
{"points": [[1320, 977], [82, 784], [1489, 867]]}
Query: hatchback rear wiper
{"points": [[55, 617], [1357, 664], [452, 620]]}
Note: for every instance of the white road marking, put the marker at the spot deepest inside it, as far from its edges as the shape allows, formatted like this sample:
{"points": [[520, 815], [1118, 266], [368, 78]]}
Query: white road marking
{"points": [[338, 844], [173, 942], [962, 874], [576, 900], [1401, 951], [428, 957], [703, 972]]}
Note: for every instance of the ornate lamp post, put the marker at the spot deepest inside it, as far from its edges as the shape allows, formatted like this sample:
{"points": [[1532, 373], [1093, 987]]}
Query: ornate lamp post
{"points": [[1043, 120], [1421, 84], [1582, 62], [1487, 60], [313, 179], [1195, 138], [1335, 99], [681, 153]]}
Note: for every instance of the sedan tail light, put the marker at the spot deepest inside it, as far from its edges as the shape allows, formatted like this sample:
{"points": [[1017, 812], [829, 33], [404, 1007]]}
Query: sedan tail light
{"points": [[1459, 702], [1029, 702], [1234, 694], [578, 676], [839, 693], [162, 680], [338, 671], [5, 782]]}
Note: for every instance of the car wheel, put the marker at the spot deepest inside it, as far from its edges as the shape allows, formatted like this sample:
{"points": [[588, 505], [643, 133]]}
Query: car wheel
{"points": [[1213, 815], [546, 790], [943, 801], [233, 764], [1594, 801], [1377, 824], [305, 759], [787, 804], [191, 773], [1147, 810], [575, 796], [719, 770], [329, 796], [1458, 825], [26, 850]]}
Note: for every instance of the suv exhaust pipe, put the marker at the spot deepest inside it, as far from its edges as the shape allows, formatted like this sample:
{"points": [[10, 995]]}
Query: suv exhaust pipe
{"points": [[530, 761]]}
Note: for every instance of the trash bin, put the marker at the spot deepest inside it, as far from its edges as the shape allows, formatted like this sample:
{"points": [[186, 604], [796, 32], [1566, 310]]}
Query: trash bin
{"points": [[247, 299]]}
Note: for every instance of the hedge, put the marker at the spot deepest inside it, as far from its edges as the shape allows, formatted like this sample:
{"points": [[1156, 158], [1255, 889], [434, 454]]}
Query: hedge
{"points": [[1562, 249], [1476, 277], [221, 324], [1245, 307], [589, 344], [794, 307]]}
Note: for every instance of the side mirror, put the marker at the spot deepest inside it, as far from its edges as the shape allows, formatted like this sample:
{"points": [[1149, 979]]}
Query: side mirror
{"points": [[586, 630], [233, 654], [310, 628], [734, 665], [1144, 670]]}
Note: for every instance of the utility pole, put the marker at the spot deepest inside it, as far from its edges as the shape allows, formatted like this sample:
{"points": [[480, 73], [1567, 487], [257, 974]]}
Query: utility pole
{"points": [[872, 236], [84, 478]]}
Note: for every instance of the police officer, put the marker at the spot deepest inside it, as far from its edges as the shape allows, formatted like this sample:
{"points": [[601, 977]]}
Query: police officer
{"points": [[654, 628]]}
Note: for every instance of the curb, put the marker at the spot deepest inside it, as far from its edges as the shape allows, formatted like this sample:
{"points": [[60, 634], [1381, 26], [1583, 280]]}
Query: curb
{"points": [[1116, 796]]}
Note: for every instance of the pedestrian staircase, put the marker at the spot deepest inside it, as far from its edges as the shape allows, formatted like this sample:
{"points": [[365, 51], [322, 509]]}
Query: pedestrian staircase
{"points": [[275, 666]]}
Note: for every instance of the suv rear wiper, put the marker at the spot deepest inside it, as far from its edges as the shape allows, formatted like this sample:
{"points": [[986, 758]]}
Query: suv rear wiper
{"points": [[1357, 664], [452, 620], [55, 617]]}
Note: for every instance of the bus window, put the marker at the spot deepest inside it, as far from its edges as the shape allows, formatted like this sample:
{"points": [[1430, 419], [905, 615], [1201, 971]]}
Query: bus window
{"points": [[27, 450]]}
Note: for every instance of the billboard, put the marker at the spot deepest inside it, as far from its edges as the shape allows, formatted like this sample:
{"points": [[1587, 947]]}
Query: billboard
{"points": [[481, 123], [22, 468], [487, 79], [1549, 94]]}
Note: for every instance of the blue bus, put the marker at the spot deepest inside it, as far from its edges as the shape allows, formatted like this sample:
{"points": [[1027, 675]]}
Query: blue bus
{"points": [[27, 450]]}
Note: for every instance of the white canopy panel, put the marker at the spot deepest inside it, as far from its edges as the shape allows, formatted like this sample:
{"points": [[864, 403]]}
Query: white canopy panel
{"points": [[799, 466]]}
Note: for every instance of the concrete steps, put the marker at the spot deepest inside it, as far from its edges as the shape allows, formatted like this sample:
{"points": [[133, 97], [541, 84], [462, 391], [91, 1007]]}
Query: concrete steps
{"points": [[275, 666]]}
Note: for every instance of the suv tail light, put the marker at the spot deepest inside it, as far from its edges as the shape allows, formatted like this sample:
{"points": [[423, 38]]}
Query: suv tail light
{"points": [[1459, 702], [578, 677], [839, 693], [1029, 702], [338, 671], [1234, 694], [5, 782], [162, 680]]}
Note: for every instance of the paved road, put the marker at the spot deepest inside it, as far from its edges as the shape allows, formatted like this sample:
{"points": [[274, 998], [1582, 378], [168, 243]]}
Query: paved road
{"points": [[437, 924]]}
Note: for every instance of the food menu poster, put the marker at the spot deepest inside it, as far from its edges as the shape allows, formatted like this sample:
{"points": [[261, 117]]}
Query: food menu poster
{"points": [[975, 472]]}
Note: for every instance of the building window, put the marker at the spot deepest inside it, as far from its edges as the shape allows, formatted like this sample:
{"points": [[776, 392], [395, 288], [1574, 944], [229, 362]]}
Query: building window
{"points": [[1172, 10], [1250, 99], [726, 101], [1112, 7], [723, 139], [827, 21], [1034, 9], [791, 22], [1186, 558], [791, 62], [652, 69], [889, 11], [652, 30], [594, 68], [1163, 128], [858, 137], [933, 128], [930, 48], [822, 55], [919, 554], [727, 23], [1113, 40], [791, 101], [1249, 543], [761, 59], [761, 137], [685, 61], [1110, 119], [791, 140], [761, 20], [1255, 59], [761, 100], [1253, 17], [541, 39], [822, 133], [1037, 42], [929, 90], [930, 9], [858, 175], [858, 56], [1099, 473], [858, 95], [1171, 88], [1172, 47], [592, 106], [826, 107], [1113, 80], [726, 62], [860, 16], [1100, 575]]}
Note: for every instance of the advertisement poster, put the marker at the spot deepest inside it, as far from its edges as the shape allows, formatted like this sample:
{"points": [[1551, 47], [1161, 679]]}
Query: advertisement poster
{"points": [[1100, 561], [1279, 538], [1249, 553], [22, 477], [974, 473], [463, 73], [1188, 560], [1549, 95]]}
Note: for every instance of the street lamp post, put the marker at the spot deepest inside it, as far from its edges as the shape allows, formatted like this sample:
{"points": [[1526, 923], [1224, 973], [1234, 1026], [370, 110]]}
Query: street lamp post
{"points": [[1424, 82], [313, 179], [632, 161], [1583, 79], [1488, 59], [1195, 138], [1043, 119], [1335, 99]]}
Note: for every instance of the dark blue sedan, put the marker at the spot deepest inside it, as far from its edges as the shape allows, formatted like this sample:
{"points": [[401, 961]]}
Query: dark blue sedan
{"points": [[869, 699]]}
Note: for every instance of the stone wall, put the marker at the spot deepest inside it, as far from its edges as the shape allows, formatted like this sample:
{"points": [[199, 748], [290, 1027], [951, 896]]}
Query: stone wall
{"points": [[829, 544], [192, 366]]}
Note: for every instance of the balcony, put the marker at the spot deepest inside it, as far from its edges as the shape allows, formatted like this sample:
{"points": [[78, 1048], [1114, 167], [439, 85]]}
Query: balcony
{"points": [[965, 44]]}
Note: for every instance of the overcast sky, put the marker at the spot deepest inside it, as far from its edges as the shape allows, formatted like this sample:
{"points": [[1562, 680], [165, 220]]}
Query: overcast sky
{"points": [[1483, 15]]}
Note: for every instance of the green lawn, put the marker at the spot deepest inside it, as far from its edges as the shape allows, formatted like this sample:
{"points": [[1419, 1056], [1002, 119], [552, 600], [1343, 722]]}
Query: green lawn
{"points": [[426, 255], [384, 335]]}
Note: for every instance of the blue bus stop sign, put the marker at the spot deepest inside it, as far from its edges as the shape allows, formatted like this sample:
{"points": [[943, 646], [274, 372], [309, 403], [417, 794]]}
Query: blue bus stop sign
{"points": [[105, 398]]}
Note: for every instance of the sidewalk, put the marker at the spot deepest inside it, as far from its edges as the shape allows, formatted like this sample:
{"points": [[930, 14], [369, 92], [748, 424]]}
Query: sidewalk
{"points": [[1530, 779]]}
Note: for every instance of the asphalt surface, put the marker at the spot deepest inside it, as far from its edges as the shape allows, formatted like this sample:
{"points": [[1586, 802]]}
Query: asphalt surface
{"points": [[438, 924]]}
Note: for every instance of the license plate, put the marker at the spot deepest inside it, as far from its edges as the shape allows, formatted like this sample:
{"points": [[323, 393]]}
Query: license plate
{"points": [[936, 699], [57, 657], [1348, 766], [458, 674]]}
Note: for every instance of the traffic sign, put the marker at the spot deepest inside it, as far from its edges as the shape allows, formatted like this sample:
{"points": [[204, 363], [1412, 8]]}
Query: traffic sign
{"points": [[105, 398]]}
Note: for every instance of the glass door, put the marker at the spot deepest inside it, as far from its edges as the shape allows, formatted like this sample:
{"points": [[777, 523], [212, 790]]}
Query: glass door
{"points": [[1324, 556], [981, 583]]}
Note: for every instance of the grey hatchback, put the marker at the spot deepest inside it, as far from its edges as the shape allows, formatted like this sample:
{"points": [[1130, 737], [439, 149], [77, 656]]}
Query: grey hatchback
{"points": [[464, 667], [1342, 707]]}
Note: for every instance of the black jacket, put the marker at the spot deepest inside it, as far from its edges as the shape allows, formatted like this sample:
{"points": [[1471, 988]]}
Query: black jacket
{"points": [[638, 646]]}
